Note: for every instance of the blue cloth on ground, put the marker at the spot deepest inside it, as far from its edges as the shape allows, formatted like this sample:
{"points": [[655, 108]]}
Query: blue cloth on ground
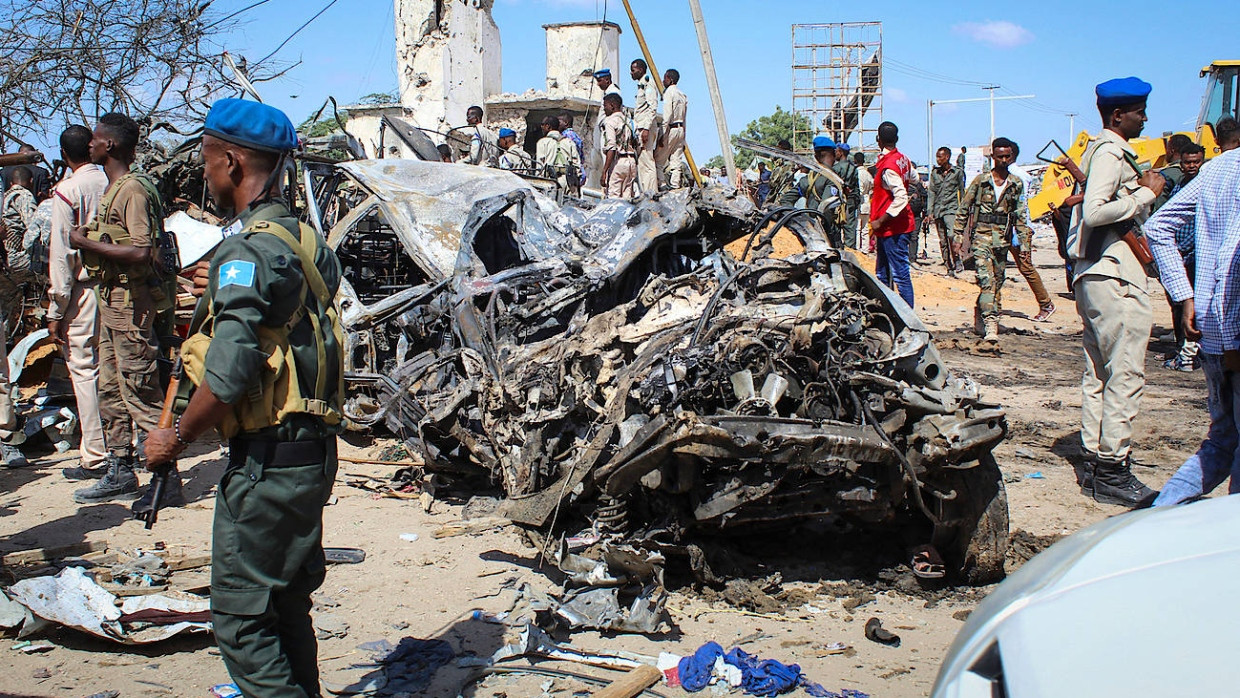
{"points": [[763, 677], [696, 669]]}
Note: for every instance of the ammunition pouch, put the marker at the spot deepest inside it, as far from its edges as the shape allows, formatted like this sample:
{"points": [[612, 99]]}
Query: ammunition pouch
{"points": [[994, 218], [278, 393], [158, 276]]}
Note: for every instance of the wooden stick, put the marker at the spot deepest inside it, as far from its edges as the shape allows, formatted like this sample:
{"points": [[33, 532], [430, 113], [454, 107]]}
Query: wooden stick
{"points": [[632, 683], [26, 557]]}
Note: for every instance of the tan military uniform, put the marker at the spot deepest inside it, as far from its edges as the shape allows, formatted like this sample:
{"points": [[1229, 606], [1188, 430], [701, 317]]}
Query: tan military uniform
{"points": [[617, 138], [129, 394], [1111, 297], [515, 158], [671, 156], [71, 300], [483, 147], [555, 155], [646, 118]]}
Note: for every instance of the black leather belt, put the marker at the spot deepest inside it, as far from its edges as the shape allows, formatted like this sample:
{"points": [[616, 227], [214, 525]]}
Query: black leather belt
{"points": [[277, 454], [676, 124], [626, 155], [993, 218]]}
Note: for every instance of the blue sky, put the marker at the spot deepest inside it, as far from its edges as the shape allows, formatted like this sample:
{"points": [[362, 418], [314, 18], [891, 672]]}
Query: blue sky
{"points": [[1056, 50]]}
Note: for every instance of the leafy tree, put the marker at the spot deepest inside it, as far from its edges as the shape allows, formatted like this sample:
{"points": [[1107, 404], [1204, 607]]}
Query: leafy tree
{"points": [[769, 130]]}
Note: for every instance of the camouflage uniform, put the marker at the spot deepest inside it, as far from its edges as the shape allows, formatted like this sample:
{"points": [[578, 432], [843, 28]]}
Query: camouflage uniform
{"points": [[997, 214], [852, 199], [945, 192], [783, 185]]}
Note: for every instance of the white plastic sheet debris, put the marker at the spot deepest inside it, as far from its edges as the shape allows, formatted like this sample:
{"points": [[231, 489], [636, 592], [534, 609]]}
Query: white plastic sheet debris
{"points": [[194, 238], [73, 599]]}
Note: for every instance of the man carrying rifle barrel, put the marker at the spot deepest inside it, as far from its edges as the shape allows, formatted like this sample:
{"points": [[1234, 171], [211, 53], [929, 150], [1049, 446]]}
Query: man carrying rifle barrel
{"points": [[1111, 296], [264, 357]]}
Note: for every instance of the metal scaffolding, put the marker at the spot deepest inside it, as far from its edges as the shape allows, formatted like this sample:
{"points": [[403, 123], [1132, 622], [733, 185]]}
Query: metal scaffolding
{"points": [[837, 82]]}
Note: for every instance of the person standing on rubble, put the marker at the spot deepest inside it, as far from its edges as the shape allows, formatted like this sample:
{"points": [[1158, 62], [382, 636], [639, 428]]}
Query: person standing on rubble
{"points": [[996, 200], [73, 308], [556, 156], [675, 111], [824, 194], [618, 142], [269, 291], [17, 209], [646, 118], [513, 156], [483, 146], [119, 250], [1111, 294], [891, 218], [566, 130], [945, 193]]}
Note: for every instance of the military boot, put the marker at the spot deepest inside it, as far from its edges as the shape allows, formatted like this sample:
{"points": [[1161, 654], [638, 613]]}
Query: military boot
{"points": [[12, 456], [173, 495], [119, 482], [978, 329], [1114, 483], [1085, 476], [990, 329]]}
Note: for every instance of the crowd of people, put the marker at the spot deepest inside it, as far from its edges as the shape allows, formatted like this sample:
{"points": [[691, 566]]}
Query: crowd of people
{"points": [[637, 150], [95, 242]]}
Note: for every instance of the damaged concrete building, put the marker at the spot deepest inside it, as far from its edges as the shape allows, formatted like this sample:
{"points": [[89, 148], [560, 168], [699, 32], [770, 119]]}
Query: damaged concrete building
{"points": [[449, 57]]}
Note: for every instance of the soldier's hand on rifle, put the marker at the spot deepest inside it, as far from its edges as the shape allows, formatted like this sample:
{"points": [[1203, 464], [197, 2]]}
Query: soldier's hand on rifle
{"points": [[162, 447], [1066, 163], [77, 236], [201, 276], [1153, 181]]}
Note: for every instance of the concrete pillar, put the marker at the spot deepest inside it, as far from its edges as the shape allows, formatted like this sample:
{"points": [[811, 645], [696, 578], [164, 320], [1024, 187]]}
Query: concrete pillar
{"points": [[448, 58], [575, 50]]}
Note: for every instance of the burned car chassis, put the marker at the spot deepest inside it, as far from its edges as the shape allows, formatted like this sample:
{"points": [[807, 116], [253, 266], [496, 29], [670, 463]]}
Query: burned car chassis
{"points": [[614, 368]]}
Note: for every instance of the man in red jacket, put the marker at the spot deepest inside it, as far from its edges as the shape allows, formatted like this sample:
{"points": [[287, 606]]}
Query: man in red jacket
{"points": [[891, 219]]}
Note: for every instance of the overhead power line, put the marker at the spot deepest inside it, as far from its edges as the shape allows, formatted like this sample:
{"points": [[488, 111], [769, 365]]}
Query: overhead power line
{"points": [[296, 32]]}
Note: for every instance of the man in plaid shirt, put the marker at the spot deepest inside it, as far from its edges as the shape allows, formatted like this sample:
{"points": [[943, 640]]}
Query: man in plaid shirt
{"points": [[1209, 205]]}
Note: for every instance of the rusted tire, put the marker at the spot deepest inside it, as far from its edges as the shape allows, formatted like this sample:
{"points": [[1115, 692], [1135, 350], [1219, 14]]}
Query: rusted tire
{"points": [[976, 546]]}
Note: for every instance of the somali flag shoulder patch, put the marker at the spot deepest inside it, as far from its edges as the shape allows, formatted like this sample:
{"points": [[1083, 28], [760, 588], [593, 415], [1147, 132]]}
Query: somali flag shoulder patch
{"points": [[237, 273]]}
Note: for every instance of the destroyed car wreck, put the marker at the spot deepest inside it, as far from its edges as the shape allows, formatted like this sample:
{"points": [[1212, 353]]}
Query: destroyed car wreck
{"points": [[613, 369]]}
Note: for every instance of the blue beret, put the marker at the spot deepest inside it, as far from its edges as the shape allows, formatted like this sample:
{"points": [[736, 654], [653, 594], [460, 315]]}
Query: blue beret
{"points": [[844, 147], [252, 125], [603, 72], [507, 132], [1121, 91], [823, 142]]}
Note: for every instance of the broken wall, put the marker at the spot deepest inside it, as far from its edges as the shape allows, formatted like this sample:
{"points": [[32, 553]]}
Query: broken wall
{"points": [[448, 58], [574, 51]]}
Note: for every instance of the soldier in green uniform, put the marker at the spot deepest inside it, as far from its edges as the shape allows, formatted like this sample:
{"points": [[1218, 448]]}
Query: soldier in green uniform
{"points": [[264, 356], [852, 192], [783, 181], [946, 183], [996, 197]]}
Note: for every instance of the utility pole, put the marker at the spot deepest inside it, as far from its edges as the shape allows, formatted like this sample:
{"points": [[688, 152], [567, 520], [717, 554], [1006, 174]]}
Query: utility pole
{"points": [[992, 89], [1071, 128], [992, 99], [712, 83], [658, 83]]}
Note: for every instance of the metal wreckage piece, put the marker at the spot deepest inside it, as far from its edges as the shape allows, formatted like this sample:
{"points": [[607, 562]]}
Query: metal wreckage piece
{"points": [[616, 371]]}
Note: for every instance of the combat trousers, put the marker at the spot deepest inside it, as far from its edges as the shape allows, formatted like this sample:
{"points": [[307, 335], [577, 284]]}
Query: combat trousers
{"points": [[647, 169], [945, 226], [990, 260], [82, 360], [266, 560], [620, 184], [1023, 257], [674, 157], [1116, 318], [129, 394]]}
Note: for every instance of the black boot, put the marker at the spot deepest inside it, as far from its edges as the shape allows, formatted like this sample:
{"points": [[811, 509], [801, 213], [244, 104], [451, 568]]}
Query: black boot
{"points": [[1114, 483], [1085, 474], [118, 482], [173, 496]]}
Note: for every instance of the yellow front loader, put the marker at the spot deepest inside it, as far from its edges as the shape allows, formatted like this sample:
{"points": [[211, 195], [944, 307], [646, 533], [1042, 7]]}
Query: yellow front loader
{"points": [[1222, 98]]}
